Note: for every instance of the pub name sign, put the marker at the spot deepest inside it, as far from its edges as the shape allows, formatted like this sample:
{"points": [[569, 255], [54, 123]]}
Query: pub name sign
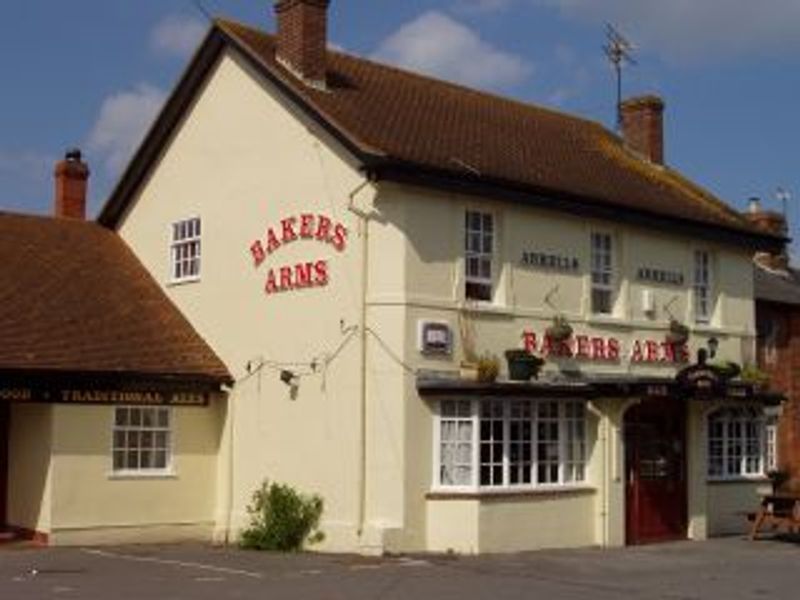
{"points": [[605, 349], [302, 275]]}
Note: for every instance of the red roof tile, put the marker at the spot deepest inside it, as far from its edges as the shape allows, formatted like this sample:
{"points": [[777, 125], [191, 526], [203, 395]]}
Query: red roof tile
{"points": [[74, 298]]}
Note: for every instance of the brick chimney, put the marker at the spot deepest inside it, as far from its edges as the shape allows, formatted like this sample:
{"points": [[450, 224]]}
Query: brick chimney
{"points": [[774, 223], [643, 126], [71, 175], [303, 38]]}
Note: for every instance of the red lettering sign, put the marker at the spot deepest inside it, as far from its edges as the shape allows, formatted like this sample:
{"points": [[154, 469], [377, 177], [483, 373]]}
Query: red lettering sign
{"points": [[303, 275], [596, 348]]}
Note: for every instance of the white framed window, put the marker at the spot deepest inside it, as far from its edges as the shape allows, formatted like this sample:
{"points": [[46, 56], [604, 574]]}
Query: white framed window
{"points": [[185, 250], [703, 305], [479, 235], [771, 449], [736, 443], [142, 440], [602, 261], [491, 443]]}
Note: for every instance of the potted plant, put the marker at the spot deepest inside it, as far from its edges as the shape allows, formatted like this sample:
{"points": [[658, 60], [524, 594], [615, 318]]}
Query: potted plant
{"points": [[726, 369], [560, 330], [753, 375], [488, 368], [678, 333], [522, 365]]}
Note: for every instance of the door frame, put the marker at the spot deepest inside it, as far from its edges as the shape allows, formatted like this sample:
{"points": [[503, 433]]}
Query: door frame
{"points": [[5, 428], [679, 409]]}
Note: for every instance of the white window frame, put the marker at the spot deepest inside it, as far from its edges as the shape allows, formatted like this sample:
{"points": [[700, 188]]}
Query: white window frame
{"points": [[602, 265], [479, 254], [771, 444], [185, 250], [734, 441], [572, 466], [169, 430], [703, 286]]}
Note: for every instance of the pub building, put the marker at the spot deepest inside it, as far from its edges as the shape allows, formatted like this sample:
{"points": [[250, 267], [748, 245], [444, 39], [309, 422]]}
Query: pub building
{"points": [[110, 403], [351, 239]]}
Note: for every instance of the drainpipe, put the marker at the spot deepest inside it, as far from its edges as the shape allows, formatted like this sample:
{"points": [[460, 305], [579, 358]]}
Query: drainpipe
{"points": [[364, 217]]}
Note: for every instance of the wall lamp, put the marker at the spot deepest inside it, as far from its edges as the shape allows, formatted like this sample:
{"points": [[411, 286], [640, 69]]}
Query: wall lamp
{"points": [[713, 344]]}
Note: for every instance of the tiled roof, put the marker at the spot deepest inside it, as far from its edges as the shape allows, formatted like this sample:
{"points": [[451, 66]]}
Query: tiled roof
{"points": [[74, 298], [775, 286], [396, 115]]}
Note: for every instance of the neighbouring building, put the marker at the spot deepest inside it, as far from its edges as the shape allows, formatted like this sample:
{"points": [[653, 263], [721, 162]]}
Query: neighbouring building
{"points": [[110, 403], [777, 290], [348, 237]]}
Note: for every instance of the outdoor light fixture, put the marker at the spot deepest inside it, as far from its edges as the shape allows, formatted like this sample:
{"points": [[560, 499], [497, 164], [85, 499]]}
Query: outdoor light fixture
{"points": [[288, 377], [713, 344]]}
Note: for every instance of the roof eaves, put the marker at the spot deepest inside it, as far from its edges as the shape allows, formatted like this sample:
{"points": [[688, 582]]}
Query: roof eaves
{"points": [[473, 184]]}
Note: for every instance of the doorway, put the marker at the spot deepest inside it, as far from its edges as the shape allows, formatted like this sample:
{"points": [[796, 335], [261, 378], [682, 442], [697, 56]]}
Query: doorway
{"points": [[655, 468]]}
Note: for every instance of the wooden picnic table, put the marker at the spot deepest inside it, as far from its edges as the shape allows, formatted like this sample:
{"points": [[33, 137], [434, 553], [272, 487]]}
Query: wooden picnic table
{"points": [[777, 511]]}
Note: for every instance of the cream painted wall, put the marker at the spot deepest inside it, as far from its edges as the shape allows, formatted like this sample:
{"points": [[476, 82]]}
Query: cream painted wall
{"points": [[729, 502], [30, 469], [254, 163], [88, 498]]}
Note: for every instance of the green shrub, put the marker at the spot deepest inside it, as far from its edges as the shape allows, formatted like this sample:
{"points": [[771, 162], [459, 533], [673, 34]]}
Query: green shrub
{"points": [[282, 519]]}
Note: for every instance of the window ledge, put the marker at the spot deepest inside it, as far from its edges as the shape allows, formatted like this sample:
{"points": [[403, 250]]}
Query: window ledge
{"points": [[488, 308], [511, 493], [739, 479], [178, 282], [140, 475]]}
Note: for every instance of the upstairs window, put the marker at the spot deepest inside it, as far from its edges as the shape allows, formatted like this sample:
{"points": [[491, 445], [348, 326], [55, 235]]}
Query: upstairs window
{"points": [[479, 246], [185, 250], [602, 261], [702, 287]]}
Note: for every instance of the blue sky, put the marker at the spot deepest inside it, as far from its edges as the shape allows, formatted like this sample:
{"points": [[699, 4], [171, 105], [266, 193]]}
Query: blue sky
{"points": [[93, 73]]}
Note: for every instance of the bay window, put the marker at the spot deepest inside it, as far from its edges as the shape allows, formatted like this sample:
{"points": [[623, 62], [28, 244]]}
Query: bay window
{"points": [[495, 444]]}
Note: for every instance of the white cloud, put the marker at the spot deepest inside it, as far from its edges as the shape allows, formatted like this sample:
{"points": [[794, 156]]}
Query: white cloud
{"points": [[441, 46], [122, 123], [177, 35], [696, 30]]}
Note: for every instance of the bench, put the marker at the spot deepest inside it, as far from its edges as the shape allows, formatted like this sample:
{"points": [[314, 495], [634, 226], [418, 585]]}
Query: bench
{"points": [[778, 511]]}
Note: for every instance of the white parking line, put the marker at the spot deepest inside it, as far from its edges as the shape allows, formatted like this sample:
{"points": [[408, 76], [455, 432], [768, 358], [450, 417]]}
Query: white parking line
{"points": [[173, 563]]}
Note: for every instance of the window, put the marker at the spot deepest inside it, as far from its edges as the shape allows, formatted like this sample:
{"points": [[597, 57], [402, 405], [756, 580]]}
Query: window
{"points": [[141, 439], [771, 450], [702, 287], [495, 443], [736, 443], [602, 261], [479, 244], [185, 250]]}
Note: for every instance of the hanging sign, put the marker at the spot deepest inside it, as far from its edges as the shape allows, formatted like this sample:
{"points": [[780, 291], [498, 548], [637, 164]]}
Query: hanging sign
{"points": [[605, 349], [302, 275]]}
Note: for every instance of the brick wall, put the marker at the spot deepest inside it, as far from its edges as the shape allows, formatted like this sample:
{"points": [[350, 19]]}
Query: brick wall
{"points": [[779, 355]]}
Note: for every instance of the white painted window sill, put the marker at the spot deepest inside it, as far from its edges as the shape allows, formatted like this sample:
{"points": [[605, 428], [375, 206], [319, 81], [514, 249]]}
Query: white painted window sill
{"points": [[739, 479], [510, 493], [141, 475], [185, 281]]}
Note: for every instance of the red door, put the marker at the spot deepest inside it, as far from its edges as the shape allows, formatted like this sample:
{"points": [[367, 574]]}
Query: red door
{"points": [[655, 467], [4, 420]]}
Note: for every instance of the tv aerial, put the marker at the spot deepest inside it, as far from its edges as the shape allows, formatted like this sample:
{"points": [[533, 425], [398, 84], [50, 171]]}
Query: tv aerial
{"points": [[619, 52]]}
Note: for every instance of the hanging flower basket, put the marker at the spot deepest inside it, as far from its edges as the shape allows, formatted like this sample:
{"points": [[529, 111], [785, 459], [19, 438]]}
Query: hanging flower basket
{"points": [[726, 369], [522, 365], [678, 333], [560, 330]]}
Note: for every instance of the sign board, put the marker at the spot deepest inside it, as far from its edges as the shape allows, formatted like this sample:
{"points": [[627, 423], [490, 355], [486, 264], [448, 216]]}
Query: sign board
{"points": [[102, 396]]}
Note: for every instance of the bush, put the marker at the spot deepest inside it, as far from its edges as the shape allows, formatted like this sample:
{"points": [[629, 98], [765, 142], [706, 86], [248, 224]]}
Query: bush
{"points": [[282, 519]]}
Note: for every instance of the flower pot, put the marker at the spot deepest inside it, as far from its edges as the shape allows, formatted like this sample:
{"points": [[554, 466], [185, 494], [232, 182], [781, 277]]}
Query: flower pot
{"points": [[559, 331], [678, 333], [522, 366]]}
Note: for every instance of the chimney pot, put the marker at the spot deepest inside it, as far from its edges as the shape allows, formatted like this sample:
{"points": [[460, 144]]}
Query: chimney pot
{"points": [[303, 38], [71, 177], [643, 126], [754, 205]]}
